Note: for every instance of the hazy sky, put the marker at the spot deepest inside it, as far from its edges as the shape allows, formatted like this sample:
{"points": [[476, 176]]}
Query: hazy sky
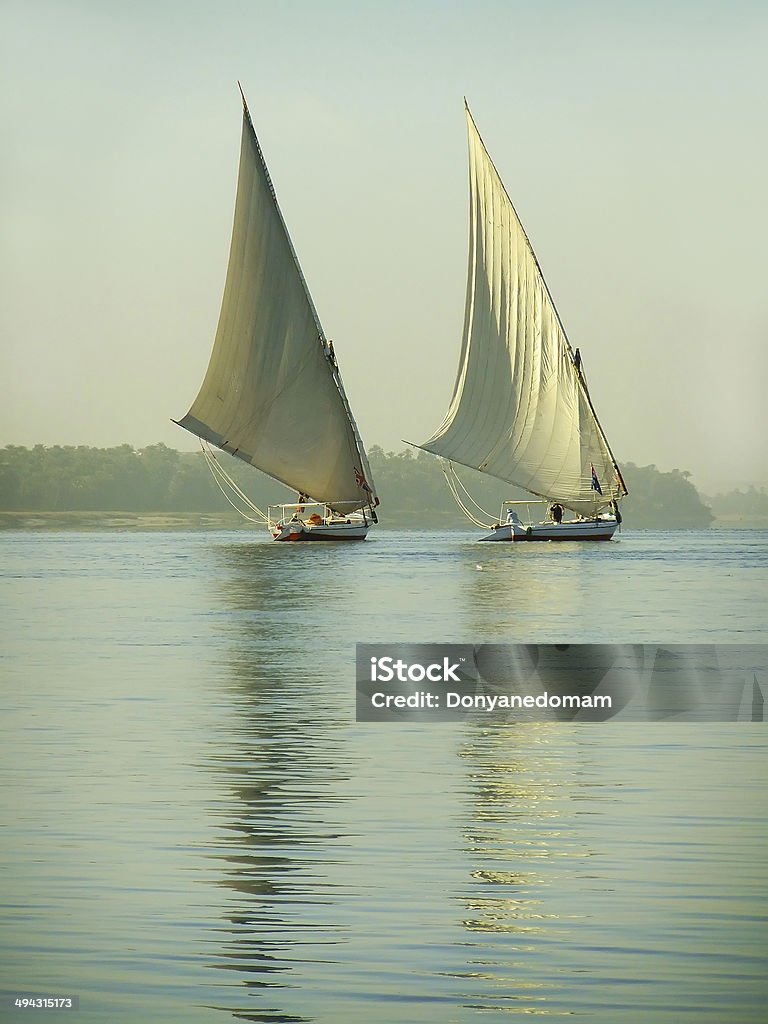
{"points": [[630, 136]]}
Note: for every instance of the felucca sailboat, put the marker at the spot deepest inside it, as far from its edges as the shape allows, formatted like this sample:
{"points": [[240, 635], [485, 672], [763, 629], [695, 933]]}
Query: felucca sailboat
{"points": [[273, 395], [521, 410]]}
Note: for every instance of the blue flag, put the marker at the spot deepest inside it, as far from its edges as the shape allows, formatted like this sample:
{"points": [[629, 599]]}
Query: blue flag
{"points": [[596, 482]]}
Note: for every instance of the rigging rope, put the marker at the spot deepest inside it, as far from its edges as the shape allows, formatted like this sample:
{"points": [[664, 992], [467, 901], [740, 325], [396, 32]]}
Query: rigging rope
{"points": [[466, 492], [452, 480], [219, 474]]}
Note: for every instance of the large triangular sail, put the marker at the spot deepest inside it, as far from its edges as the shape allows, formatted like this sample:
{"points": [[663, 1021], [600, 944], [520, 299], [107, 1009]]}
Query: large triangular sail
{"points": [[272, 394], [520, 409]]}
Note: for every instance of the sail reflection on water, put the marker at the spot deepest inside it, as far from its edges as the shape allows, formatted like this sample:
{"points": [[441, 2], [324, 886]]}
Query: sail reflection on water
{"points": [[522, 840], [281, 764], [427, 872]]}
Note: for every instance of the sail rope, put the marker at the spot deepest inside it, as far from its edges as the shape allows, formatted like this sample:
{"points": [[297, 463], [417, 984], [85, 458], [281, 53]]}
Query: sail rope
{"points": [[453, 485], [227, 486], [466, 492]]}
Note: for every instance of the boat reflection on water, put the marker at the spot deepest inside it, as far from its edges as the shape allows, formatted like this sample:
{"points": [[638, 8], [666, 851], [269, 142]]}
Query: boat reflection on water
{"points": [[280, 765], [535, 593], [378, 872], [421, 872], [644, 682], [532, 597], [523, 840]]}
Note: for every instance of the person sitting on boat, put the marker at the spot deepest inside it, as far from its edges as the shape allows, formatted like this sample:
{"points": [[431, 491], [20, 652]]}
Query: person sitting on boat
{"points": [[557, 513], [513, 517]]}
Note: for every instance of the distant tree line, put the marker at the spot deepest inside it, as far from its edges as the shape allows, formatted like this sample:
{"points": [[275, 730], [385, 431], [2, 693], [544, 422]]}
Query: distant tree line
{"points": [[414, 483], [411, 486], [738, 507]]}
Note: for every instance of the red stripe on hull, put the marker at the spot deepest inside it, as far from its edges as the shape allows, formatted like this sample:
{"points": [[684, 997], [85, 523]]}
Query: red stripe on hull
{"points": [[319, 538], [316, 537], [568, 533], [567, 539]]}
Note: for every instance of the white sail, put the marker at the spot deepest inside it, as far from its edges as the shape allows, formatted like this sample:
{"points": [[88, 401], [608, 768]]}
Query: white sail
{"points": [[272, 394], [520, 409]]}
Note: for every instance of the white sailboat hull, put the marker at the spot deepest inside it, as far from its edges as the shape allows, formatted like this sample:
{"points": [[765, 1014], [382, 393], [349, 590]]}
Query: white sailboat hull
{"points": [[299, 531], [580, 530]]}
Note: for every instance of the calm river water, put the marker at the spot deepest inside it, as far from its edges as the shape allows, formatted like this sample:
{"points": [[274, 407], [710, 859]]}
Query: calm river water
{"points": [[194, 828]]}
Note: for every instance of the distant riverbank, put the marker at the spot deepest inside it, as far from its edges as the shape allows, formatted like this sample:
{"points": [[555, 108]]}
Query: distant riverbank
{"points": [[153, 521], [120, 521], [32, 520]]}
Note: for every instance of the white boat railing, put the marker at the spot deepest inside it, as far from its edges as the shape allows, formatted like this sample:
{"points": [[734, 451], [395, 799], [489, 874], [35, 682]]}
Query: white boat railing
{"points": [[548, 517], [504, 519], [315, 513]]}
